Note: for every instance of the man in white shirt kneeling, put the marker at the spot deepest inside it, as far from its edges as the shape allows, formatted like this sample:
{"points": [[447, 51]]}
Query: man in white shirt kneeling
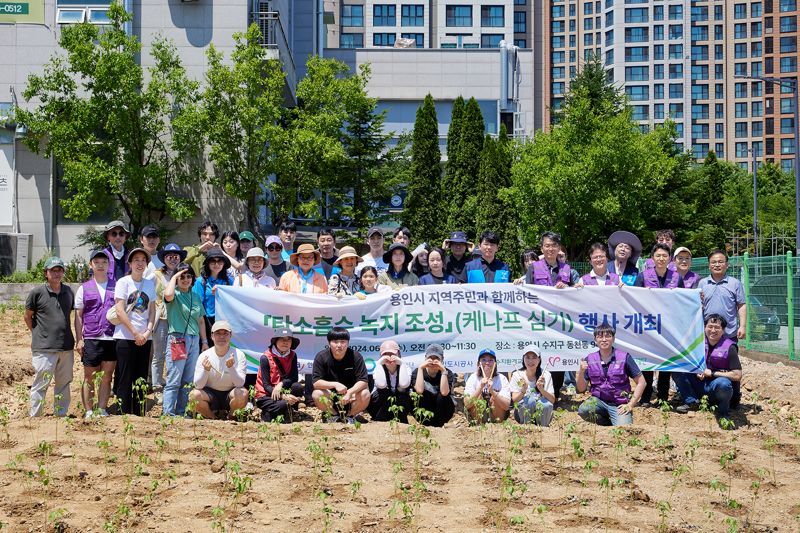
{"points": [[219, 376]]}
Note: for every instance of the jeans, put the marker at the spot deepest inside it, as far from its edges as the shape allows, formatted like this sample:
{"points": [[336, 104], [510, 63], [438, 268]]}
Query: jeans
{"points": [[718, 390], [179, 375], [159, 351], [51, 366], [596, 410], [533, 408]]}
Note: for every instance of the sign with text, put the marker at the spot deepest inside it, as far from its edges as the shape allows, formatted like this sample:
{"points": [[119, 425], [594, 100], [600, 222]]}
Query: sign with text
{"points": [[662, 329], [22, 11]]}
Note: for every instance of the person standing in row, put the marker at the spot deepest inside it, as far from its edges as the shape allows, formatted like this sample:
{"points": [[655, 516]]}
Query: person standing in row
{"points": [[345, 282], [208, 233], [134, 300], [93, 335], [254, 274], [724, 295], [47, 315], [374, 257], [187, 337], [149, 239], [115, 234], [682, 259], [436, 274], [488, 268], [171, 256], [397, 275], [304, 279], [287, 232], [600, 274], [277, 266], [624, 248], [215, 273]]}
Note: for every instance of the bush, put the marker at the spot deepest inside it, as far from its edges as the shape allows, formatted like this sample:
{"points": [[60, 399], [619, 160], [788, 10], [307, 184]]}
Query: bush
{"points": [[77, 271]]}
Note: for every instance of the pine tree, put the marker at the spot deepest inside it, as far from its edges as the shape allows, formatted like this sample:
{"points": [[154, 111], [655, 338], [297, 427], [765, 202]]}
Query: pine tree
{"points": [[422, 211], [453, 139], [461, 211]]}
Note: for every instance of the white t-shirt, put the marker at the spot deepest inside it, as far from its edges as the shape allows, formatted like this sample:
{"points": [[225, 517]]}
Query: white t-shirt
{"points": [[499, 383], [138, 316], [519, 377], [220, 377], [247, 280], [379, 264], [155, 264], [101, 288]]}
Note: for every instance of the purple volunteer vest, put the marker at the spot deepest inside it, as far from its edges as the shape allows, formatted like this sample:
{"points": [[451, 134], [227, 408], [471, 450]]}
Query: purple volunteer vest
{"points": [[612, 279], [717, 358], [541, 273], [95, 323], [690, 280], [651, 279], [614, 386]]}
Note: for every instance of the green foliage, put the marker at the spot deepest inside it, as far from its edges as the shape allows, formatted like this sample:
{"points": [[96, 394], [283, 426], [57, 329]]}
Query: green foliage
{"points": [[422, 210], [461, 194], [76, 271], [121, 141]]}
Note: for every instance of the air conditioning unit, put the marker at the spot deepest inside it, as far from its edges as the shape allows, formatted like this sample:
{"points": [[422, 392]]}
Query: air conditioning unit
{"points": [[15, 252]]}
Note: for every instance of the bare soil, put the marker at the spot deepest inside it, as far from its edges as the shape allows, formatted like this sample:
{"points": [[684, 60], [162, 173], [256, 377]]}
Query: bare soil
{"points": [[673, 472]]}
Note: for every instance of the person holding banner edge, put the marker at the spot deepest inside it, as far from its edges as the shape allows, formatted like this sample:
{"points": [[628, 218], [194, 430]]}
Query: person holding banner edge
{"points": [[341, 380], [607, 373]]}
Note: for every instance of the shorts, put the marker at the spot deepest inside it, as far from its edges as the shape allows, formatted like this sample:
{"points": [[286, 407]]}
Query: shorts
{"points": [[217, 399], [96, 351]]}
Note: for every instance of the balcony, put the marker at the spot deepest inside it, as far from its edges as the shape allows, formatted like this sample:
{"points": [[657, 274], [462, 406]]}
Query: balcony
{"points": [[273, 38]]}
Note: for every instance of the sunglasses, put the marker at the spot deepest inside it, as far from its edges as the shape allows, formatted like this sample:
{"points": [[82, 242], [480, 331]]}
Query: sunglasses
{"points": [[185, 276], [216, 260], [117, 233], [274, 247]]}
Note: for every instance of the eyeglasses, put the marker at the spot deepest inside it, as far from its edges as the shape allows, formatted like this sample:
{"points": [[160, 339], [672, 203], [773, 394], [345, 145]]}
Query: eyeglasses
{"points": [[117, 233], [274, 248], [683, 259]]}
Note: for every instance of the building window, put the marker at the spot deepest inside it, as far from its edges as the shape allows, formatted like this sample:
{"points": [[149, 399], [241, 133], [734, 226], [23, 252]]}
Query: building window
{"points": [[519, 2], [699, 111], [741, 149], [492, 16], [558, 88], [636, 53], [384, 15], [676, 12], [788, 45], [699, 33], [353, 16], [787, 5], [757, 109], [637, 93], [520, 43], [718, 91], [740, 31], [558, 41], [740, 130], [351, 40], [412, 15], [676, 90], [699, 13], [675, 31], [588, 24], [718, 52], [787, 125], [658, 111], [787, 105], [755, 29], [637, 73], [718, 32], [717, 12], [676, 71], [658, 91], [740, 90], [75, 12], [676, 110], [558, 11], [755, 9], [637, 35], [676, 51], [557, 57], [740, 11], [588, 39], [491, 40], [383, 39], [757, 129], [459, 16], [740, 50], [658, 52], [658, 32], [641, 112], [658, 72], [787, 146], [520, 22], [699, 131], [609, 19], [740, 69], [419, 38], [719, 131], [787, 165], [719, 72], [636, 14], [700, 91], [740, 110], [789, 24], [699, 72], [719, 111], [558, 26], [789, 64]]}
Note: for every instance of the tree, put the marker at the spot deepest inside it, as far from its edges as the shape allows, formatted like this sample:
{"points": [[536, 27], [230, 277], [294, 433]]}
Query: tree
{"points": [[591, 83], [121, 141], [422, 214], [461, 211], [453, 140], [243, 105]]}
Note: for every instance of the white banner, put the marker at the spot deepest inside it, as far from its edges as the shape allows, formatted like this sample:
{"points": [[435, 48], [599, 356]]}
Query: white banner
{"points": [[662, 329]]}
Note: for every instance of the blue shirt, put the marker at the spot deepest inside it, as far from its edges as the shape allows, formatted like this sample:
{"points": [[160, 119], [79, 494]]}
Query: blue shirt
{"points": [[204, 289], [723, 298], [629, 276], [285, 254], [479, 271]]}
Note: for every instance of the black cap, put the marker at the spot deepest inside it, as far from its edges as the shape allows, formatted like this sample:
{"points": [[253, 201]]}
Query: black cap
{"points": [[150, 229]]}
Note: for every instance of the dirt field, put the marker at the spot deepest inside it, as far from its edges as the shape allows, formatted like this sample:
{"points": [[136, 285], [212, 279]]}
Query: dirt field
{"points": [[677, 473]]}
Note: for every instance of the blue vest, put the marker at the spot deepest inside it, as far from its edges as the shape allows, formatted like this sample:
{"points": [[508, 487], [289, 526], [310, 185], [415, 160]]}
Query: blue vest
{"points": [[474, 270]]}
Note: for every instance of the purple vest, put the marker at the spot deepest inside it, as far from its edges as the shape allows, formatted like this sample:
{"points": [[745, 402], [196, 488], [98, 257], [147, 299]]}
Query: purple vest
{"points": [[612, 279], [541, 273], [95, 324], [613, 387], [690, 280], [651, 279], [717, 359], [649, 263]]}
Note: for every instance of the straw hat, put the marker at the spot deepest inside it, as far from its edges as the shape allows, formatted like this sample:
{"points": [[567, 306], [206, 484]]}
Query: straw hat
{"points": [[305, 249], [346, 253]]}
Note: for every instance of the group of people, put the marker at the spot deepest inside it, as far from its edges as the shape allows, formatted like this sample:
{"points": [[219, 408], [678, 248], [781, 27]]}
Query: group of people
{"points": [[146, 321]]}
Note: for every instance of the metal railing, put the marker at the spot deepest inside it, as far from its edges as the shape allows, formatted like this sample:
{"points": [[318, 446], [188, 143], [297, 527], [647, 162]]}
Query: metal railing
{"points": [[274, 37]]}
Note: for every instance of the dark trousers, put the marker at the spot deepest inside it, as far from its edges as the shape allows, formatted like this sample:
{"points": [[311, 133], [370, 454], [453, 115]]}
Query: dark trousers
{"points": [[272, 409], [662, 386], [209, 321], [380, 403], [442, 408], [558, 382], [133, 363]]}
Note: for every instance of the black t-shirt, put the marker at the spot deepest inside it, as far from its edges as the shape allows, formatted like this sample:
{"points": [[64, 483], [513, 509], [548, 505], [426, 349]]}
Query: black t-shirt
{"points": [[348, 371], [456, 267], [331, 260], [279, 269], [431, 383]]}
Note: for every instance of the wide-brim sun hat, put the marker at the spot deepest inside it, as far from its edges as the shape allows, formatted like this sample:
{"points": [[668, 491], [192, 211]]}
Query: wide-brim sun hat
{"points": [[216, 253], [346, 253], [136, 251], [305, 249], [458, 237], [284, 332], [628, 238], [387, 255], [172, 248], [115, 224]]}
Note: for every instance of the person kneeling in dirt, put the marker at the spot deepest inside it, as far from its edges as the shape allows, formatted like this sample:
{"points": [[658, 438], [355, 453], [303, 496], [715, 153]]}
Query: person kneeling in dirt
{"points": [[219, 376], [487, 394], [340, 379], [719, 382], [609, 372], [392, 380], [433, 382], [278, 387]]}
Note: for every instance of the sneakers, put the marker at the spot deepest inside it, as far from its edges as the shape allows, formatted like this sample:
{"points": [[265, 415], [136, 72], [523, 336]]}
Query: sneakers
{"points": [[685, 408], [103, 412], [331, 420], [88, 415]]}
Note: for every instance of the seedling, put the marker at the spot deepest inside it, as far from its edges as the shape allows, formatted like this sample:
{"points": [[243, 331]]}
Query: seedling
{"points": [[355, 487], [57, 399], [4, 420], [726, 462], [322, 467], [770, 444], [755, 487], [140, 391], [55, 519], [708, 409]]}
